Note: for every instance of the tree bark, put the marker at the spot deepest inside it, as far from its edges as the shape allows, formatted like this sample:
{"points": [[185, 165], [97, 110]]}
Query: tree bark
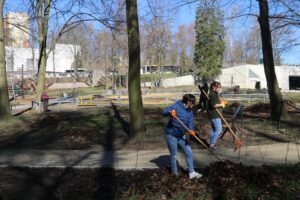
{"points": [[4, 100], [43, 10], [137, 119], [268, 59]]}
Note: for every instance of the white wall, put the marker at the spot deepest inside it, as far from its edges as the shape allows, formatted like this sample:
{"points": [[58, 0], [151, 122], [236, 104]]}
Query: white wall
{"points": [[283, 73], [63, 57], [240, 75], [183, 80], [171, 82]]}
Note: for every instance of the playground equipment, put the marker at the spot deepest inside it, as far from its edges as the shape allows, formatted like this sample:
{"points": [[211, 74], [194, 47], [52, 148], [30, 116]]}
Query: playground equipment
{"points": [[85, 101]]}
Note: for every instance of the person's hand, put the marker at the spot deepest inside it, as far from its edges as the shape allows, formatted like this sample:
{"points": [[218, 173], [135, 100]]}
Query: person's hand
{"points": [[192, 133], [224, 103], [173, 113]]}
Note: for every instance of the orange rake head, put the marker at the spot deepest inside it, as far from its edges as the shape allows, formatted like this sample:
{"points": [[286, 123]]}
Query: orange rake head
{"points": [[238, 144]]}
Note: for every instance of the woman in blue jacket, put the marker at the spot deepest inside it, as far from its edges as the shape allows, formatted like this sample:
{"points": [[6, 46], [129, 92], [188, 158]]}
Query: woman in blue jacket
{"points": [[175, 132]]}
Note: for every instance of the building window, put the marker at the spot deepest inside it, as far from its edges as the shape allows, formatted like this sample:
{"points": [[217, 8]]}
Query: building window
{"points": [[29, 64], [9, 64]]}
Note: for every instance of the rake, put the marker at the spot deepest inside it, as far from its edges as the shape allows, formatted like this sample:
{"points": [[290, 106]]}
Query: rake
{"points": [[237, 140], [197, 138]]}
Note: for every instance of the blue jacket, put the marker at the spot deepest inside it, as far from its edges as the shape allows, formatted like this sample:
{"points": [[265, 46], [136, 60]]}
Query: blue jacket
{"points": [[186, 116]]}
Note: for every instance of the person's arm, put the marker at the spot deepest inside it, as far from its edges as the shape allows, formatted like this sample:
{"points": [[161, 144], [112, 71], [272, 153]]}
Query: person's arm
{"points": [[214, 100], [166, 112], [218, 105]]}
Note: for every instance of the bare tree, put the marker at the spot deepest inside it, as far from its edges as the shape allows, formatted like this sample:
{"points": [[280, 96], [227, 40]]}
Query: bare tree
{"points": [[4, 101], [134, 84], [43, 12], [273, 87], [183, 45]]}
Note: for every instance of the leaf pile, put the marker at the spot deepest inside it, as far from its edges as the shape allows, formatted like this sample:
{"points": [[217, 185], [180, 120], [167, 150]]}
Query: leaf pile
{"points": [[222, 180]]}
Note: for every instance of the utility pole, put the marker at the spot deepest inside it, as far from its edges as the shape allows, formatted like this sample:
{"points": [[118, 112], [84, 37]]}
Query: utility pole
{"points": [[53, 55], [113, 59], [22, 84]]}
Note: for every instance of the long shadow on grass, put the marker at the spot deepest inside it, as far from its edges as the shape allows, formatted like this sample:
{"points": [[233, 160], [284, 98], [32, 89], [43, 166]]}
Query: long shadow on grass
{"points": [[60, 183], [41, 185], [125, 125], [42, 132], [267, 136], [26, 139], [108, 191], [52, 130]]}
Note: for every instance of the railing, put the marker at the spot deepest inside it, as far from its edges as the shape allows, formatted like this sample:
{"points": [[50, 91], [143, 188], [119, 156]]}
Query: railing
{"points": [[281, 105], [248, 97]]}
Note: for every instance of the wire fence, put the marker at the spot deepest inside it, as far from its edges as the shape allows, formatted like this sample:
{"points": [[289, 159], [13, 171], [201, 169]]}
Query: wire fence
{"points": [[248, 97]]}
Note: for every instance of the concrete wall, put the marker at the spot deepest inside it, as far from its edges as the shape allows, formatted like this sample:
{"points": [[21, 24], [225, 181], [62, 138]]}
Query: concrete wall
{"points": [[179, 81], [171, 82], [59, 61], [284, 72], [247, 75]]}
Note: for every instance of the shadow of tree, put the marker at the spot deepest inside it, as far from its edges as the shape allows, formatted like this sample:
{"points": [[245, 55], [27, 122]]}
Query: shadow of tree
{"points": [[267, 136], [125, 125]]}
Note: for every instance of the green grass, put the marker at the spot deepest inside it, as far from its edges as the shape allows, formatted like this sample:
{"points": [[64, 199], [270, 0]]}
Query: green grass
{"points": [[155, 76], [292, 96], [16, 124]]}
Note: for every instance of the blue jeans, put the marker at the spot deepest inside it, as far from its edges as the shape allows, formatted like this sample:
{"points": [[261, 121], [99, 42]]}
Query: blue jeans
{"points": [[216, 130], [172, 143]]}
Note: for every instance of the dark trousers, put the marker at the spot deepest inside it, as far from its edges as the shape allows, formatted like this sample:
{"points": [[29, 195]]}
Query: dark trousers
{"points": [[45, 105], [202, 103]]}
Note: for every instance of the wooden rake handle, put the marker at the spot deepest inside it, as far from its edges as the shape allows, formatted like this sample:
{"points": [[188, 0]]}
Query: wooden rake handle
{"points": [[198, 139], [237, 140]]}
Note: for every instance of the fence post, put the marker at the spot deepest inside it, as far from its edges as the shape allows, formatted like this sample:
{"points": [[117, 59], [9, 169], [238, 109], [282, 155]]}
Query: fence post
{"points": [[278, 123]]}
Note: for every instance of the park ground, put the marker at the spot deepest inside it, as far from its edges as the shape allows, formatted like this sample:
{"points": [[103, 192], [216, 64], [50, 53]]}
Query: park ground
{"points": [[107, 128]]}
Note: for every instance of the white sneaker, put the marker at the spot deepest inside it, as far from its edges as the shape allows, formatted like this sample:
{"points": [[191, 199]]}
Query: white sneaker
{"points": [[198, 110], [212, 147], [195, 175]]}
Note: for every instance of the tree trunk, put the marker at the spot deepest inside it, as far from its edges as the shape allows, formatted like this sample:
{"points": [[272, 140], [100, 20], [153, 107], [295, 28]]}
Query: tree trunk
{"points": [[4, 100], [43, 18], [134, 84], [267, 49]]}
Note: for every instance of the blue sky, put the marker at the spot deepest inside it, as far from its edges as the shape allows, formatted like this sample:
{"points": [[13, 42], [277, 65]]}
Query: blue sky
{"points": [[184, 15]]}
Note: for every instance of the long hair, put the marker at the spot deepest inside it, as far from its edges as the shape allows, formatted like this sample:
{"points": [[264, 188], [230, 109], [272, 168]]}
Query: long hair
{"points": [[214, 84], [188, 98]]}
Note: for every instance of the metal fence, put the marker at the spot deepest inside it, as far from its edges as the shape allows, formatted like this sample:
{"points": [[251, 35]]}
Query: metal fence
{"points": [[247, 97]]}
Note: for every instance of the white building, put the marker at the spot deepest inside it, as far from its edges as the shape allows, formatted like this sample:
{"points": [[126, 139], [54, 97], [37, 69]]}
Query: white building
{"points": [[16, 28], [247, 75], [59, 60]]}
